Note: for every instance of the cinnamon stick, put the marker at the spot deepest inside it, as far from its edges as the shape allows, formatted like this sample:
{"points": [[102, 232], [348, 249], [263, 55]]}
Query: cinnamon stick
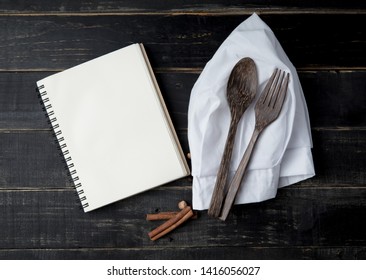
{"points": [[160, 216], [172, 223], [165, 216], [173, 226]]}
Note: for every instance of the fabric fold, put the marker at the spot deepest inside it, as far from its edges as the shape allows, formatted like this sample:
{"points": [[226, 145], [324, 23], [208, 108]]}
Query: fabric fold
{"points": [[282, 155]]}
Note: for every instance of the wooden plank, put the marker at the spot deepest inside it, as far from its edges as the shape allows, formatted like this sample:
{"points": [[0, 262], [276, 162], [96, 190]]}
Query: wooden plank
{"points": [[31, 160], [20, 105], [48, 42], [187, 253], [334, 99], [339, 156], [298, 216], [130, 6]]}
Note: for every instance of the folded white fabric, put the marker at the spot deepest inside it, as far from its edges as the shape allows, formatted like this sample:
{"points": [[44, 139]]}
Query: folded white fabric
{"points": [[282, 155]]}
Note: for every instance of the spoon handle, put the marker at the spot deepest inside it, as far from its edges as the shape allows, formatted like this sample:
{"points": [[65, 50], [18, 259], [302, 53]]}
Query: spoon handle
{"points": [[220, 188], [238, 177]]}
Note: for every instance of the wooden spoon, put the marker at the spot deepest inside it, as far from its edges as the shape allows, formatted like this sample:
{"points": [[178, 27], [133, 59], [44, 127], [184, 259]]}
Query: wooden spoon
{"points": [[241, 89]]}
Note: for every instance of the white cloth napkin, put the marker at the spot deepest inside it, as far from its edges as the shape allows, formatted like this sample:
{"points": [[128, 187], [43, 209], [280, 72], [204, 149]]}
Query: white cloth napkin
{"points": [[282, 155]]}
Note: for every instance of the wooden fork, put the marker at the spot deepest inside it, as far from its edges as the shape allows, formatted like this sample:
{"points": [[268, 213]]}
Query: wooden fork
{"points": [[267, 109]]}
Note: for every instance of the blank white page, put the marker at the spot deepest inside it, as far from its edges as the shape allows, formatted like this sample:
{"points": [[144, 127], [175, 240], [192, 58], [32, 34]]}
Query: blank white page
{"points": [[115, 128]]}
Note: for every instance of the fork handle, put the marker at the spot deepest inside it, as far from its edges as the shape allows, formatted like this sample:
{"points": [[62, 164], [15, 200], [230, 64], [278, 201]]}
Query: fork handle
{"points": [[238, 177], [220, 188]]}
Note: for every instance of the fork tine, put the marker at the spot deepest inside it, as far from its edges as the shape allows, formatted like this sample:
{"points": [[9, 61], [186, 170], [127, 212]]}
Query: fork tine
{"points": [[267, 88], [282, 93], [274, 89]]}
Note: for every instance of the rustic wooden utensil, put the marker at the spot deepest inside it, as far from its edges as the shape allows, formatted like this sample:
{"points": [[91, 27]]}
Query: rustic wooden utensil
{"points": [[241, 89], [267, 109]]}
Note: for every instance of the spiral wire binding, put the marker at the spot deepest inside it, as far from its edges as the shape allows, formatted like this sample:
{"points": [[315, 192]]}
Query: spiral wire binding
{"points": [[57, 133]]}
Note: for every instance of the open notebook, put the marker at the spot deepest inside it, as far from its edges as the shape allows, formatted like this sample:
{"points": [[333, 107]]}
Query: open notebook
{"points": [[113, 127]]}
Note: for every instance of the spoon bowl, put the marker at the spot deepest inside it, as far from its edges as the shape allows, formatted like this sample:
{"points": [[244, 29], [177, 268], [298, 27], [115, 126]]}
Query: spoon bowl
{"points": [[242, 87]]}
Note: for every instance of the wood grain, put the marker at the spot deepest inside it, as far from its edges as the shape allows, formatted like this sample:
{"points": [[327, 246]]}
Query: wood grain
{"points": [[50, 42], [299, 216], [321, 218], [189, 253], [31, 160]]}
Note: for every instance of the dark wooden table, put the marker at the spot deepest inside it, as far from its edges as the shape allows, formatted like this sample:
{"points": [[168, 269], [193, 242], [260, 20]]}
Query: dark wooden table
{"points": [[321, 218]]}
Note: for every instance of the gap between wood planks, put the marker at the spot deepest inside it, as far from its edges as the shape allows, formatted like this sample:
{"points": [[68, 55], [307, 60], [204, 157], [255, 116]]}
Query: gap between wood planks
{"points": [[194, 12], [299, 186], [182, 247], [48, 130], [198, 70]]}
